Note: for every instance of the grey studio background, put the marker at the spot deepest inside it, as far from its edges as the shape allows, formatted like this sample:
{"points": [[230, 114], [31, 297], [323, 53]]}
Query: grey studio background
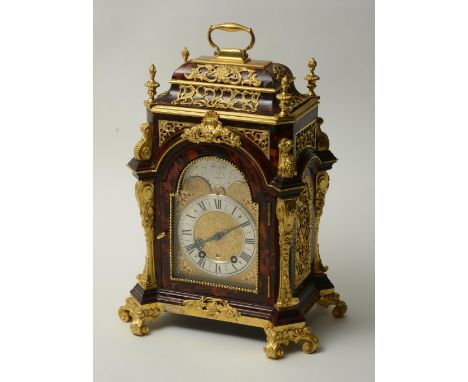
{"points": [[128, 37]]}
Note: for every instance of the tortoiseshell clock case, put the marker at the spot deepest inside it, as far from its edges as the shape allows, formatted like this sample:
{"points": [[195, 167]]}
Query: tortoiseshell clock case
{"points": [[232, 176]]}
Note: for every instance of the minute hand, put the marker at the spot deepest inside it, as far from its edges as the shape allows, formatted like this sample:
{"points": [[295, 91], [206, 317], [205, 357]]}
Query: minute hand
{"points": [[219, 235]]}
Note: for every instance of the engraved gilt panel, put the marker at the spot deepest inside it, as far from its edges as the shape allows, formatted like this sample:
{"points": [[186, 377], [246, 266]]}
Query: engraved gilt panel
{"points": [[303, 239]]}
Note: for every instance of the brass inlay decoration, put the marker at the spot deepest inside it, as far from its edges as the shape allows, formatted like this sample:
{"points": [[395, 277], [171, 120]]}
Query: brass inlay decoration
{"points": [[185, 54], [285, 211], [211, 130], [322, 181], [279, 336], [331, 298], [138, 314], [144, 192], [167, 128], [312, 136], [144, 146], [211, 307], [284, 97], [312, 78], [261, 138], [218, 97], [286, 162], [152, 85], [303, 230], [226, 74]]}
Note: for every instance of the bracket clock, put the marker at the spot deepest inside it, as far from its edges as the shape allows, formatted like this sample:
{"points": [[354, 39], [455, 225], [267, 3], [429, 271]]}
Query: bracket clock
{"points": [[232, 176]]}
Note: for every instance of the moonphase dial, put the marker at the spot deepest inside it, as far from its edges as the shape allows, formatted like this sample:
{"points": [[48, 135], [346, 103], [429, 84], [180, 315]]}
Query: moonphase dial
{"points": [[218, 235]]}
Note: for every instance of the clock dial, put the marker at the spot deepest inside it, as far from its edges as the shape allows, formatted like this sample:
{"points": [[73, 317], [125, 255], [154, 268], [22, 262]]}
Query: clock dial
{"points": [[218, 235], [215, 226]]}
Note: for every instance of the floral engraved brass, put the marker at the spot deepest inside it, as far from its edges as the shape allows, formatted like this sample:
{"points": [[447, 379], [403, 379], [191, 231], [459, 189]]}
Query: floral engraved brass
{"points": [[212, 131], [226, 74], [303, 239], [144, 146], [144, 192], [218, 97], [213, 308], [285, 211], [312, 136], [277, 337]]}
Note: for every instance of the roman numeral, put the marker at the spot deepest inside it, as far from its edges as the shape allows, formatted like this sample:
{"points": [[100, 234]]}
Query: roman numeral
{"points": [[249, 241], [187, 232], [202, 205], [189, 248], [234, 210], [246, 257], [217, 203], [245, 224], [201, 262], [218, 268], [234, 266], [190, 216]]}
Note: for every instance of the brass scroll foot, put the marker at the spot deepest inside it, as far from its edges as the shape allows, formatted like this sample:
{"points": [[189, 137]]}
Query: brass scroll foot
{"points": [[138, 314], [279, 336], [333, 299]]}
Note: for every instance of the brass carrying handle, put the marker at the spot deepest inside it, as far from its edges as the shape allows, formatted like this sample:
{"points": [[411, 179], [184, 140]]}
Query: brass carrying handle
{"points": [[231, 53]]}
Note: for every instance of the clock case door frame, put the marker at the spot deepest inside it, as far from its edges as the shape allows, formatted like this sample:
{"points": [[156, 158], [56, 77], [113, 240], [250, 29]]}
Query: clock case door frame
{"points": [[181, 154]]}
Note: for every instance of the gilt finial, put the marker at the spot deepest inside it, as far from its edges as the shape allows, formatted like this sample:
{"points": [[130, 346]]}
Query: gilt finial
{"points": [[312, 78], [152, 85], [284, 96], [185, 54]]}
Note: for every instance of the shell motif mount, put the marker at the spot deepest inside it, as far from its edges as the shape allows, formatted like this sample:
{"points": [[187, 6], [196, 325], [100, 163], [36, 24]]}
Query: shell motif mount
{"points": [[211, 130]]}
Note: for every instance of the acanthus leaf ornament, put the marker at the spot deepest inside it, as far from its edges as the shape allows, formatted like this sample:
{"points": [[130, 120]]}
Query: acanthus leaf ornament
{"points": [[322, 181], [332, 298], [144, 192], [211, 130], [286, 162], [213, 308], [280, 336], [144, 146], [303, 227]]}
